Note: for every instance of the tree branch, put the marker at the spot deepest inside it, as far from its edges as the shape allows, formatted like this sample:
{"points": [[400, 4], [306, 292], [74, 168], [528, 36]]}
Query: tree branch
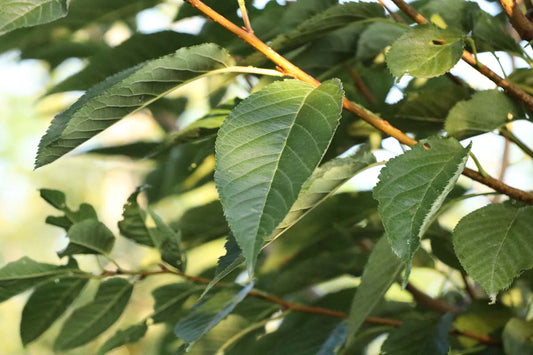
{"points": [[428, 302], [518, 19], [468, 57], [286, 305], [292, 70]]}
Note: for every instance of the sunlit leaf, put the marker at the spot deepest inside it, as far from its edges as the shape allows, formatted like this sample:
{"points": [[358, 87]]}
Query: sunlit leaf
{"points": [[16, 14], [425, 51]]}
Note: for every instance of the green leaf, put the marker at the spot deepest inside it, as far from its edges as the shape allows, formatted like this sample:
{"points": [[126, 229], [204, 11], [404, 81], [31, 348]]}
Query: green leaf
{"points": [[201, 224], [382, 268], [176, 174], [324, 181], [484, 112], [424, 111], [265, 151], [518, 337], [425, 51], [133, 223], [89, 321], [46, 304], [129, 335], [335, 17], [412, 188], [445, 14], [125, 93], [16, 14], [203, 128], [300, 11], [88, 237], [55, 198], [169, 300], [493, 244], [490, 35], [523, 78], [226, 263], [209, 312], [25, 273], [168, 242], [58, 200], [136, 49], [419, 337], [134, 227], [377, 37]]}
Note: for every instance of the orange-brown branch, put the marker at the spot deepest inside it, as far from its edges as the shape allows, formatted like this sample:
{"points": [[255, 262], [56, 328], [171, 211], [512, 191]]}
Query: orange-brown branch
{"points": [[518, 19], [468, 57]]}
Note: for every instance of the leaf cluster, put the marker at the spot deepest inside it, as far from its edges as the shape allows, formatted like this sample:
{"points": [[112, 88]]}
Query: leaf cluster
{"points": [[310, 261]]}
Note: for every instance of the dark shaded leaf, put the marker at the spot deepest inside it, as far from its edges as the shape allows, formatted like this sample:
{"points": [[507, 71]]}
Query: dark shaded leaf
{"points": [[25, 273], [381, 271], [419, 337], [46, 304], [89, 321], [425, 51], [129, 335], [88, 237], [493, 244]]}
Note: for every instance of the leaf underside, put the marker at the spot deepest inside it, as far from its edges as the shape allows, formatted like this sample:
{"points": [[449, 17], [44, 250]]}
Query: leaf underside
{"points": [[265, 151], [16, 14], [125, 93]]}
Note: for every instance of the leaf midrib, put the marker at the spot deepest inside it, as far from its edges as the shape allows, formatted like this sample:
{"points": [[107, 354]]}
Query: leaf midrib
{"points": [[500, 247], [305, 97], [24, 13]]}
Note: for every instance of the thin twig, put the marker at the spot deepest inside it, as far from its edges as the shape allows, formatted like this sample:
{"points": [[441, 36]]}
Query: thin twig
{"points": [[510, 136], [428, 302], [393, 14], [471, 60], [361, 86], [518, 19], [245, 17], [286, 305], [384, 126]]}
